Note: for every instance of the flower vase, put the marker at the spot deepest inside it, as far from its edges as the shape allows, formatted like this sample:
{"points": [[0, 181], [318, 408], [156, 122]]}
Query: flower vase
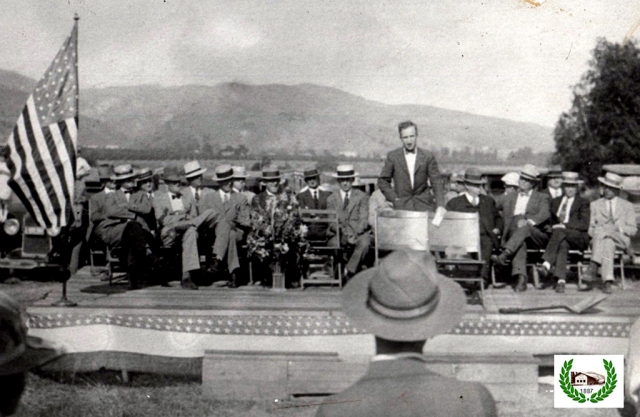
{"points": [[277, 276]]}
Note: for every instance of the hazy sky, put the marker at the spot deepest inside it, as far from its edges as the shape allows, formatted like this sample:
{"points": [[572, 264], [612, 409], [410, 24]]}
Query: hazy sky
{"points": [[504, 58]]}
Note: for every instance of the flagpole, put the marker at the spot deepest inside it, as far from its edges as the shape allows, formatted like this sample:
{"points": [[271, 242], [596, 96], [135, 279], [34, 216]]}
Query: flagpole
{"points": [[65, 275]]}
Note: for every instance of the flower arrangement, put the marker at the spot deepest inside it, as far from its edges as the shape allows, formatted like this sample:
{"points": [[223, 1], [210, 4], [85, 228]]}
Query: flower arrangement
{"points": [[277, 231]]}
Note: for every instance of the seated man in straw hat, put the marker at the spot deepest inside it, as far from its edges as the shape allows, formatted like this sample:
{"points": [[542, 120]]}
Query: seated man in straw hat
{"points": [[352, 206], [612, 223], [193, 191], [240, 183], [524, 213], [569, 229], [404, 302], [141, 201], [314, 198], [554, 183], [267, 199], [234, 208], [472, 201], [511, 184], [19, 353], [116, 225], [180, 222]]}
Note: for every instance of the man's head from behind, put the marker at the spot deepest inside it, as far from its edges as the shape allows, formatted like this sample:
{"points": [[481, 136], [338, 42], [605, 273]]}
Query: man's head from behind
{"points": [[408, 135], [404, 301], [18, 353]]}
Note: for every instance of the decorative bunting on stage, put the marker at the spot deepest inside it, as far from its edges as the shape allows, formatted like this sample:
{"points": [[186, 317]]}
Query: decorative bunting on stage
{"points": [[43, 144]]}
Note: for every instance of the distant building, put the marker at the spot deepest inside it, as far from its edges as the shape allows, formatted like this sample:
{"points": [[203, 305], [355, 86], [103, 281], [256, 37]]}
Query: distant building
{"points": [[586, 378]]}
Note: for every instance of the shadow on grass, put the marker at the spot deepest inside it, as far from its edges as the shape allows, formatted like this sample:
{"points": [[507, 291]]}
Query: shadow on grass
{"points": [[106, 289]]}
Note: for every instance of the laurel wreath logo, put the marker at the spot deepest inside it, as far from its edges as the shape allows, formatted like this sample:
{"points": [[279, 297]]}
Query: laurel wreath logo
{"points": [[601, 394]]}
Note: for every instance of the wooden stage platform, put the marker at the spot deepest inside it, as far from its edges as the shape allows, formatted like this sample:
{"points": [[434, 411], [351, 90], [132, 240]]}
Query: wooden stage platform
{"points": [[182, 323]]}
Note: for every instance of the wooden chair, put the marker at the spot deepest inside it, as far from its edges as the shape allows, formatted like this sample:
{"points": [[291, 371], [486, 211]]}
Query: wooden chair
{"points": [[456, 247], [400, 230], [98, 250], [321, 256]]}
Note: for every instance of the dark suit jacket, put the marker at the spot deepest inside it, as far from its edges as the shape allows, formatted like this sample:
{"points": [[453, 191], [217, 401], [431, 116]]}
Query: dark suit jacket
{"points": [[537, 210], [355, 219], [110, 213], [417, 198], [142, 205], [489, 215], [306, 201], [578, 216], [260, 201], [404, 388]]}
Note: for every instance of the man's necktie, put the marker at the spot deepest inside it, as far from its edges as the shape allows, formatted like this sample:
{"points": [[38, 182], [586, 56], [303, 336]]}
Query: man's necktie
{"points": [[225, 200], [410, 151], [610, 203], [345, 204], [316, 203], [562, 213], [175, 196], [197, 195]]}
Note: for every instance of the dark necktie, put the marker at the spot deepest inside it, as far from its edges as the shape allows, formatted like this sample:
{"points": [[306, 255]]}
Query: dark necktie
{"points": [[410, 151], [316, 203], [345, 204], [175, 196], [225, 199], [611, 210], [197, 193], [562, 213]]}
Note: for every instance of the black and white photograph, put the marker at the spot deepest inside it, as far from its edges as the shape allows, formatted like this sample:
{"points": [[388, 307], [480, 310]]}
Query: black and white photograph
{"points": [[317, 208]]}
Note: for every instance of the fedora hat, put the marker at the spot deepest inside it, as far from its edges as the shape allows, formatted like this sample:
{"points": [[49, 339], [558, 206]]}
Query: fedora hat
{"points": [[20, 352], [193, 169], [511, 178], [144, 174], [530, 172], [571, 178], [311, 173], [223, 173], [123, 172], [611, 180], [239, 173], [345, 171], [270, 172], [555, 172], [474, 176], [172, 174], [404, 298]]}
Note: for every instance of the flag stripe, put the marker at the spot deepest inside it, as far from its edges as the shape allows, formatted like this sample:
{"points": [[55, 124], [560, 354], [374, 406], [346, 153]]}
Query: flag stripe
{"points": [[49, 159], [21, 182], [37, 169], [66, 170]]}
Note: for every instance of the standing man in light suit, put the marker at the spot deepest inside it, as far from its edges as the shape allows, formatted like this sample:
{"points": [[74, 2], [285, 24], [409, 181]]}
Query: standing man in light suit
{"points": [[410, 167], [613, 222]]}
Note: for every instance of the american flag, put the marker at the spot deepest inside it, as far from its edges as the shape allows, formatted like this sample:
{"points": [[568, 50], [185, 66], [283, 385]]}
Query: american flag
{"points": [[43, 144]]}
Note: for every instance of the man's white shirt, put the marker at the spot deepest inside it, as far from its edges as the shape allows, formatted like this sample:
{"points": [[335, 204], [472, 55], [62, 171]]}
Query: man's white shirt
{"points": [[410, 158]]}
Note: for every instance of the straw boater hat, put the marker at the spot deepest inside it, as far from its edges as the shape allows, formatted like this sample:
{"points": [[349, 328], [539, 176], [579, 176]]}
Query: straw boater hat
{"points": [[345, 171], [571, 178], [511, 178], [193, 169], [239, 173], [270, 172], [223, 173], [530, 172], [311, 173], [144, 174], [555, 172], [172, 174], [473, 176], [611, 180], [18, 351], [123, 172], [404, 298]]}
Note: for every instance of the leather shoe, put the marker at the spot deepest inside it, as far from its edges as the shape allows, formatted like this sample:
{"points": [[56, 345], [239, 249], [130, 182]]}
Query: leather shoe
{"points": [[607, 287], [234, 281], [214, 268], [542, 271], [521, 286], [187, 284], [587, 286], [560, 287], [501, 260]]}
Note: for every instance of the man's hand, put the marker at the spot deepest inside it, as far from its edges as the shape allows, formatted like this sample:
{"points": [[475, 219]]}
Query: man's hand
{"points": [[522, 223], [496, 231]]}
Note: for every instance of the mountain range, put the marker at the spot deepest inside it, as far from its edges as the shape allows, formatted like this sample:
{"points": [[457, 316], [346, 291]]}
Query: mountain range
{"points": [[268, 118]]}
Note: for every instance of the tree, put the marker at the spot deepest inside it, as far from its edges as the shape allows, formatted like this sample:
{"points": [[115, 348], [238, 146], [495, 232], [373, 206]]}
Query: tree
{"points": [[602, 125]]}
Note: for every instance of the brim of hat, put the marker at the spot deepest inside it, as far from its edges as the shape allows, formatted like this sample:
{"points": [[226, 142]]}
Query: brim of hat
{"points": [[122, 177], [608, 184], [529, 177], [37, 353], [218, 179], [508, 184], [572, 182], [271, 178], [172, 179], [239, 177], [355, 174], [447, 314], [475, 182], [145, 177], [196, 173], [311, 176]]}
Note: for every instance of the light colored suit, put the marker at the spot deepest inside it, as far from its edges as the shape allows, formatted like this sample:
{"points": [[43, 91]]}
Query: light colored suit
{"points": [[608, 233], [416, 198], [354, 222], [109, 213], [185, 225]]}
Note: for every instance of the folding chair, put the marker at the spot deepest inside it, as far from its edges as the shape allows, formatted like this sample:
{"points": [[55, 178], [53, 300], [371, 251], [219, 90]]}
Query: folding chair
{"points": [[456, 247], [320, 257], [400, 230]]}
